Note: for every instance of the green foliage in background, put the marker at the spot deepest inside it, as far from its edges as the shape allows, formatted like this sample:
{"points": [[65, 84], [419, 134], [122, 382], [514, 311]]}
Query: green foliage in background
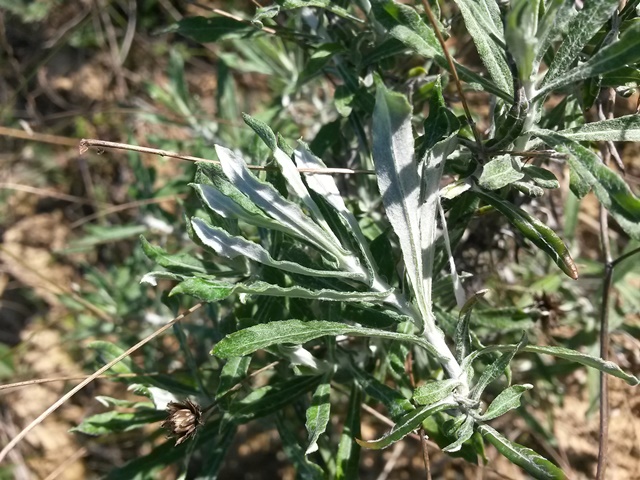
{"points": [[339, 279]]}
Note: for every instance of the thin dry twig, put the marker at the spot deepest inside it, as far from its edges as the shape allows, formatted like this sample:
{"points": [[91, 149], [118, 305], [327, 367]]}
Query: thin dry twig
{"points": [[38, 137], [454, 73], [18, 438], [87, 143]]}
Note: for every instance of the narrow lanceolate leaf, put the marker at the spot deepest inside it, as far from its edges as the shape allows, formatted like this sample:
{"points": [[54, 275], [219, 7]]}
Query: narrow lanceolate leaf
{"points": [[271, 398], [326, 186], [625, 51], [493, 371], [536, 231], [395, 403], [612, 191], [182, 263], [581, 29], [534, 464], [433, 392], [273, 204], [318, 414], [486, 36], [507, 400], [209, 290], [398, 178], [553, 24], [404, 24], [521, 28], [305, 469], [298, 332], [463, 434], [232, 373], [229, 246], [432, 166], [621, 129], [226, 206], [348, 456], [407, 424], [289, 171], [566, 354]]}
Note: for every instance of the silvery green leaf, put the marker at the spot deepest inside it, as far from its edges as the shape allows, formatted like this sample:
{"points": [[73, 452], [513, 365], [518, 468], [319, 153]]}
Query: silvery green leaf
{"points": [[528, 188], [564, 353], [455, 189], [506, 400], [304, 467], [398, 178], [463, 433], [433, 392], [624, 51], [273, 204], [535, 465], [488, 39], [581, 29], [181, 263], [151, 278], [234, 370], [229, 246], [621, 129], [395, 403], [493, 371], [297, 332], [520, 33], [226, 207], [318, 414], [541, 176], [500, 172], [406, 424], [432, 166], [612, 191], [348, 455], [325, 186], [289, 171], [405, 25], [213, 291], [553, 24]]}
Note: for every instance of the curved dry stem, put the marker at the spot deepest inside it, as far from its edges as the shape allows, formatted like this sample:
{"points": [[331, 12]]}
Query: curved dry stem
{"points": [[18, 438]]}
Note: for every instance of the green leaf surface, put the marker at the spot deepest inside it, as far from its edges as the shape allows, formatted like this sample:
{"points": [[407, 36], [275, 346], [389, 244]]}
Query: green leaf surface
{"points": [[506, 400], [298, 332], [405, 25], [348, 455], [581, 29], [463, 433], [487, 36], [541, 176], [214, 291], [534, 464], [621, 129], [318, 414], [231, 247], [624, 51], [499, 173], [234, 370], [493, 371], [271, 398], [266, 197], [536, 231], [566, 354], [612, 191], [397, 175], [210, 30], [406, 424], [395, 403], [182, 263], [433, 392], [114, 421]]}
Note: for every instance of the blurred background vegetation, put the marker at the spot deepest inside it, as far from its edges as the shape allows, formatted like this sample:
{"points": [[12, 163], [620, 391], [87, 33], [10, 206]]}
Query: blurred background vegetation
{"points": [[70, 260]]}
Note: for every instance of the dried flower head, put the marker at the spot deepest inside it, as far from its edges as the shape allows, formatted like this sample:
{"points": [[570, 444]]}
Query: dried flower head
{"points": [[183, 420]]}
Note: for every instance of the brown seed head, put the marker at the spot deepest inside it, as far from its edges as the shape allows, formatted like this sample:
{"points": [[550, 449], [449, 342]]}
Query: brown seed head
{"points": [[183, 420]]}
